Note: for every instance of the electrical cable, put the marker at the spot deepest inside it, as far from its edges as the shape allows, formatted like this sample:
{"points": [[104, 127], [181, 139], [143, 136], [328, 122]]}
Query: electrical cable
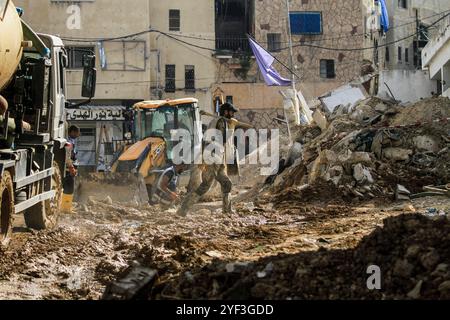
{"points": [[206, 39]]}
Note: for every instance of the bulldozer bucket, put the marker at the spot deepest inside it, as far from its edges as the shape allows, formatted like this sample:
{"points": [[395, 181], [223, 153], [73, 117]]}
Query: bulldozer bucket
{"points": [[120, 187]]}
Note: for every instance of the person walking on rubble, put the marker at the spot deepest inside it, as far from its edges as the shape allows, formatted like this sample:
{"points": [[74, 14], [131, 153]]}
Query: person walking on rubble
{"points": [[218, 170]]}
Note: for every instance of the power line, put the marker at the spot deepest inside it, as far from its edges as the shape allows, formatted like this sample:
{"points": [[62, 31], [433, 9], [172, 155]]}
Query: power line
{"points": [[143, 82], [313, 40], [366, 48], [168, 34], [282, 49]]}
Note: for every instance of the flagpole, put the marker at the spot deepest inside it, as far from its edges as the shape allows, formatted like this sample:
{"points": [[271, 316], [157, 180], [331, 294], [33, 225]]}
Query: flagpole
{"points": [[291, 51]]}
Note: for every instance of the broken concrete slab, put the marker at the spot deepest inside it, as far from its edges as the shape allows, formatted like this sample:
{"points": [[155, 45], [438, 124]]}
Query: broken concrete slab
{"points": [[335, 174], [381, 107], [426, 143], [320, 120], [362, 175], [363, 113], [401, 193], [397, 154], [347, 94]]}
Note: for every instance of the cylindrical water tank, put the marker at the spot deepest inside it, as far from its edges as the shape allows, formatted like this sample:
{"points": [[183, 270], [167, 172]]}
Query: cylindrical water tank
{"points": [[11, 37]]}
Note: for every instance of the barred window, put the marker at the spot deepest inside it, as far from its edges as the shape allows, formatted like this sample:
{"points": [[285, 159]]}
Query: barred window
{"points": [[274, 42], [174, 20], [403, 4], [189, 77], [327, 69], [170, 78]]}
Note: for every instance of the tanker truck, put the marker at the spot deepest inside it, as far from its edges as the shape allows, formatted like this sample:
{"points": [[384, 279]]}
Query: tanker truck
{"points": [[33, 151]]}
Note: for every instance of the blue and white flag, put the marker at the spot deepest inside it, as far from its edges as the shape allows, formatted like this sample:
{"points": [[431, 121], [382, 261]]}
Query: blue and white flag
{"points": [[265, 61]]}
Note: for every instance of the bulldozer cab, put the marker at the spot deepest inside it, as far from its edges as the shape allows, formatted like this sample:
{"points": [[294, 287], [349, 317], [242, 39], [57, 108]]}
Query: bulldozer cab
{"points": [[157, 119], [136, 166]]}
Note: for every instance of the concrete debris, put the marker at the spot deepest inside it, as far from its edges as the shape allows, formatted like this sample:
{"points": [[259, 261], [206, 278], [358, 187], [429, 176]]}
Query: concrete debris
{"points": [[401, 193], [353, 159], [362, 175], [426, 143], [320, 120], [397, 154], [381, 107]]}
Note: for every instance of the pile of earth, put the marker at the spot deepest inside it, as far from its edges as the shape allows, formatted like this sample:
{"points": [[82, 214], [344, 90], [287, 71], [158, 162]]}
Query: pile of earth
{"points": [[410, 252], [367, 151]]}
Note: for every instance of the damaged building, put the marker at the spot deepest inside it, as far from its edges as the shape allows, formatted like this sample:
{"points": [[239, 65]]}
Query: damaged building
{"points": [[319, 30], [399, 57]]}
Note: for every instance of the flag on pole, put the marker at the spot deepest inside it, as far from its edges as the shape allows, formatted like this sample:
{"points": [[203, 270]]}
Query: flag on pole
{"points": [[265, 61], [384, 16]]}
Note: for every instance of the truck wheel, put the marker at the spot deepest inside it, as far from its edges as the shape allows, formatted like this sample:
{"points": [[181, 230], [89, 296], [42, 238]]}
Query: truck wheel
{"points": [[7, 209], [44, 215]]}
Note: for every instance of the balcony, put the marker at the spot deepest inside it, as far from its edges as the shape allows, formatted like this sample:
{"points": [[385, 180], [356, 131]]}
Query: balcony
{"points": [[232, 44]]}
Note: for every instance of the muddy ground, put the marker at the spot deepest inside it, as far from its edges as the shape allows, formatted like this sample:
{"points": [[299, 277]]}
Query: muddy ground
{"points": [[99, 242]]}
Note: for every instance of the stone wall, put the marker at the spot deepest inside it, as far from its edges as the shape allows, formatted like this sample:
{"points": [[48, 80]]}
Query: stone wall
{"points": [[343, 27]]}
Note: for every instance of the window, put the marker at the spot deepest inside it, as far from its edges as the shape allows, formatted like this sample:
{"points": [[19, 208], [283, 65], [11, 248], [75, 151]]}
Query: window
{"points": [[387, 55], [170, 78], [189, 78], [75, 55], [174, 20], [403, 4], [399, 53], [229, 99], [306, 22], [406, 55], [160, 122], [127, 55], [327, 69], [274, 42]]}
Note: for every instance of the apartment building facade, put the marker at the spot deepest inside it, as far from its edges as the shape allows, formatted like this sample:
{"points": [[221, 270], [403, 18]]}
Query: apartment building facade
{"points": [[322, 32], [436, 57], [400, 57], [145, 50], [123, 64], [182, 49]]}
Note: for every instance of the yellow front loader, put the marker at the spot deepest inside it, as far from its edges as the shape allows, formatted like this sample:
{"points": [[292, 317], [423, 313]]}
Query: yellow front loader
{"points": [[137, 165]]}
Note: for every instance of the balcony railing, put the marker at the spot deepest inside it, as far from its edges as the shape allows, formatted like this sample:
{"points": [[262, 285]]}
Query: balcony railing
{"points": [[232, 43]]}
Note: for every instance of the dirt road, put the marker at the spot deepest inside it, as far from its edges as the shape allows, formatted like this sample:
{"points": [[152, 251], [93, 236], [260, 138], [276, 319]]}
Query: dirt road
{"points": [[100, 241]]}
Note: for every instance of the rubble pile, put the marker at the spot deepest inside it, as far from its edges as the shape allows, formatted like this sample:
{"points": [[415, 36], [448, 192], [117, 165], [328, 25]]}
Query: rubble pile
{"points": [[370, 151], [411, 251]]}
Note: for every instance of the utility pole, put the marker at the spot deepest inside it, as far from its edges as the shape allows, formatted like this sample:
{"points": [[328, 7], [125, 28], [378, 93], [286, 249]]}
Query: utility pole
{"points": [[295, 98], [291, 51]]}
